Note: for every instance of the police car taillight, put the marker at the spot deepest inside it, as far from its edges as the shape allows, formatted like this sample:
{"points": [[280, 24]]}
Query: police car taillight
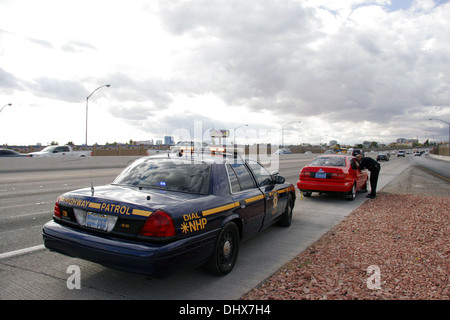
{"points": [[56, 212], [158, 225]]}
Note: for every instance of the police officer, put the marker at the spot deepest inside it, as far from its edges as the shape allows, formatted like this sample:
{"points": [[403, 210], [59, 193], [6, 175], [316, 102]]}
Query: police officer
{"points": [[374, 168]]}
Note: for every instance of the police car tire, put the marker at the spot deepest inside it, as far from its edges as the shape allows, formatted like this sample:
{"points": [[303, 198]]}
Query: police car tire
{"points": [[286, 218], [225, 252]]}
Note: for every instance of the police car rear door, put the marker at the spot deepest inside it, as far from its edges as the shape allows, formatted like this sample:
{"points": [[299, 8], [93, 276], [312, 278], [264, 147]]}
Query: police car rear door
{"points": [[248, 195]]}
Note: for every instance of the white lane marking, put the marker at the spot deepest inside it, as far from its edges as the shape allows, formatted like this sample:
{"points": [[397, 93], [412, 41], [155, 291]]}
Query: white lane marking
{"points": [[21, 251], [28, 214]]}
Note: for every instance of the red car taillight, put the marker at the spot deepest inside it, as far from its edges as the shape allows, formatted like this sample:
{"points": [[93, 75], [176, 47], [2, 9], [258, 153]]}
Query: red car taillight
{"points": [[304, 174], [56, 212], [338, 175], [159, 225]]}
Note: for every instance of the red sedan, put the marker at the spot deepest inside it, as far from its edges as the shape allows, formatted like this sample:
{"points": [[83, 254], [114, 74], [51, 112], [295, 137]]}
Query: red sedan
{"points": [[333, 173]]}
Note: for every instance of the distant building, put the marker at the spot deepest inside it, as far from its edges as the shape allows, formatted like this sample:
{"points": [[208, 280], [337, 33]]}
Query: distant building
{"points": [[407, 141], [168, 140]]}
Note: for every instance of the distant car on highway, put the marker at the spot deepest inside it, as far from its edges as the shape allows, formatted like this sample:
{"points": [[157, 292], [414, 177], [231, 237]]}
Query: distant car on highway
{"points": [[60, 151], [382, 156], [401, 153], [171, 212], [11, 153], [283, 151], [332, 173]]}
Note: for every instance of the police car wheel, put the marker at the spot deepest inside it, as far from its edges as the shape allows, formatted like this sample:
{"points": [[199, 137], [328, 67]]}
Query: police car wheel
{"points": [[225, 252], [286, 218]]}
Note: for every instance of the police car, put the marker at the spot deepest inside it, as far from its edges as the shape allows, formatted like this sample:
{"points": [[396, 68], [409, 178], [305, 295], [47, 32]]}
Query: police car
{"points": [[164, 213]]}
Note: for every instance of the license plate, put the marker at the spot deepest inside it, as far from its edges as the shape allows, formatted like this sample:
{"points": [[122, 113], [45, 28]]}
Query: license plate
{"points": [[321, 175], [96, 221]]}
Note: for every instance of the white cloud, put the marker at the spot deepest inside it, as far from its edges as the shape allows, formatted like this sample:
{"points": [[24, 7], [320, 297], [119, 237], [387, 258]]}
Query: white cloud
{"points": [[349, 70]]}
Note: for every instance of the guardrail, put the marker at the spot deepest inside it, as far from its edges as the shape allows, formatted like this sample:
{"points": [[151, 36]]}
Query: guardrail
{"points": [[18, 164], [22, 164], [436, 156]]}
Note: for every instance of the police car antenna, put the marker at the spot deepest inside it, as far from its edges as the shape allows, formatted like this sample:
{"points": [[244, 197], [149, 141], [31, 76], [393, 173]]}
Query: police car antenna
{"points": [[90, 173]]}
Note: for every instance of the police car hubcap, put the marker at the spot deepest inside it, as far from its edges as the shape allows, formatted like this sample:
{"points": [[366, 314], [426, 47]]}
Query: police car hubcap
{"points": [[227, 249]]}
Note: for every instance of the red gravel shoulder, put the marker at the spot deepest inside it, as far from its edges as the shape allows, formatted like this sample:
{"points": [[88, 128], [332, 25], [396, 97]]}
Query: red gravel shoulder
{"points": [[396, 246]]}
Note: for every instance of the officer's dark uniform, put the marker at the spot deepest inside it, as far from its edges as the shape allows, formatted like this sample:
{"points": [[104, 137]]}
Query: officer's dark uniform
{"points": [[374, 168]]}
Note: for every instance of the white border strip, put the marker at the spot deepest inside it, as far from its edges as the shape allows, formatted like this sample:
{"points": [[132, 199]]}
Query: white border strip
{"points": [[21, 251]]}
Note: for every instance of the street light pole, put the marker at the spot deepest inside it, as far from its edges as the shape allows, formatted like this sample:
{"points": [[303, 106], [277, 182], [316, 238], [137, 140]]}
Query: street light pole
{"points": [[282, 131], [87, 101], [448, 132], [8, 104]]}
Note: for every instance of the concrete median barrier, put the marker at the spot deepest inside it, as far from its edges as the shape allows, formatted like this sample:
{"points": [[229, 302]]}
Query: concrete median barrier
{"points": [[18, 164]]}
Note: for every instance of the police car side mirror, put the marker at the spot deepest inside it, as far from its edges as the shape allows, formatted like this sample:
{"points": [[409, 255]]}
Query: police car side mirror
{"points": [[277, 179]]}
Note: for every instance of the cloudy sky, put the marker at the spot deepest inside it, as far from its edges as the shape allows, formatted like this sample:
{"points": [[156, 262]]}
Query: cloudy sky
{"points": [[348, 70]]}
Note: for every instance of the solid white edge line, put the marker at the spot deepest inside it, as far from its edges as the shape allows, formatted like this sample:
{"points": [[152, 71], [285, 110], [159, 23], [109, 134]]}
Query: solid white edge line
{"points": [[21, 251]]}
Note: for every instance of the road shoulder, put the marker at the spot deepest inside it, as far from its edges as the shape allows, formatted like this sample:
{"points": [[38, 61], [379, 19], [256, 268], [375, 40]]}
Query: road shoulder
{"points": [[395, 247]]}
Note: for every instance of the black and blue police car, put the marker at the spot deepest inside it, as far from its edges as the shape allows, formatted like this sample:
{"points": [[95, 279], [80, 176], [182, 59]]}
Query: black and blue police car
{"points": [[171, 212]]}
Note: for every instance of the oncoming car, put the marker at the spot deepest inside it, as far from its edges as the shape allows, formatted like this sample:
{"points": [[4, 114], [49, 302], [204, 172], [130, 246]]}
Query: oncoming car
{"points": [[283, 151], [12, 153], [332, 173], [382, 156], [164, 213]]}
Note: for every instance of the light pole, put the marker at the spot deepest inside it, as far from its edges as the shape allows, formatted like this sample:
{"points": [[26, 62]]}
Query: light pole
{"points": [[87, 101], [282, 131], [8, 104], [448, 132]]}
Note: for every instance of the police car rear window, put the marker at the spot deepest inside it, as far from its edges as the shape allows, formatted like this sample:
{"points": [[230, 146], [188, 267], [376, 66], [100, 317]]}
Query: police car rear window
{"points": [[239, 176], [328, 162], [167, 174]]}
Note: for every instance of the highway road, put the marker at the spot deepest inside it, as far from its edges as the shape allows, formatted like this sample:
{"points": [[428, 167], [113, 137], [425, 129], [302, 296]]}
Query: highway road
{"points": [[29, 271], [439, 168]]}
